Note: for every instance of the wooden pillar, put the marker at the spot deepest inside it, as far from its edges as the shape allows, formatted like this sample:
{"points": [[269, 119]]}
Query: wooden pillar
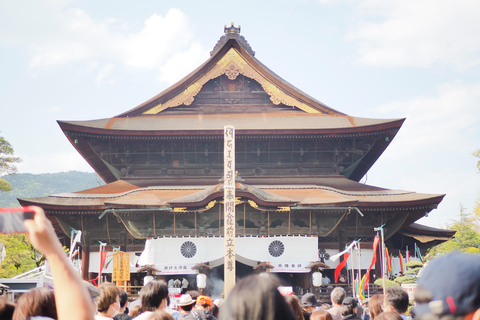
{"points": [[85, 261], [123, 241]]}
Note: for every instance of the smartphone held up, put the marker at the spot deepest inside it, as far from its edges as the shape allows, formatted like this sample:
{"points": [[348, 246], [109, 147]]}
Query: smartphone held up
{"points": [[11, 219]]}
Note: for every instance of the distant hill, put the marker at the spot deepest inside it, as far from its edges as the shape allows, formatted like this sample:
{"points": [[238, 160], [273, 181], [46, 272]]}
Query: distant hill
{"points": [[28, 185]]}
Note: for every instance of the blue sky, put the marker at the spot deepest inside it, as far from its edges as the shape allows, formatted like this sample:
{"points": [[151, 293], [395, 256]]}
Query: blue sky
{"points": [[81, 60]]}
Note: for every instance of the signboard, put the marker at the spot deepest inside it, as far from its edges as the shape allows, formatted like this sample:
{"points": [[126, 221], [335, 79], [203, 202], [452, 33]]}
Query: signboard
{"points": [[410, 289], [290, 267], [286, 291], [229, 207], [174, 294], [121, 266], [184, 268]]}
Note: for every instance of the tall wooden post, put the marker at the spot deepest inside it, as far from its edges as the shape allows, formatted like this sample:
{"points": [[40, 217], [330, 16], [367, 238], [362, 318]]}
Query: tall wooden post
{"points": [[382, 255], [229, 208]]}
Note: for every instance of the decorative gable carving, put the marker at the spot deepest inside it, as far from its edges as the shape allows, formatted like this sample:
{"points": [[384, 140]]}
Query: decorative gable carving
{"points": [[232, 64]]}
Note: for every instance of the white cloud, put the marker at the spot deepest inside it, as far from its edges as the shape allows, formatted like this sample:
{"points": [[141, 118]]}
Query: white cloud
{"points": [[447, 121], [181, 64], [71, 36], [432, 153], [103, 73], [418, 33], [160, 38]]}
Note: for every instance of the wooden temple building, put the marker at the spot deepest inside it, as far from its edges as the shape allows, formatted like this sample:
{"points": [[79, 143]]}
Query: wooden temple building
{"points": [[299, 164]]}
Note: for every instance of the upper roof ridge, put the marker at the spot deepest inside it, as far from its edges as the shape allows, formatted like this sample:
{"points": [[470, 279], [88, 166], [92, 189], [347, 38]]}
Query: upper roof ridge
{"points": [[232, 33]]}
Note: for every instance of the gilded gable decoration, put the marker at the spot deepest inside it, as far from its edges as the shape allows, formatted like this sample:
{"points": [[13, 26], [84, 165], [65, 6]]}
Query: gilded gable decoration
{"points": [[232, 64]]}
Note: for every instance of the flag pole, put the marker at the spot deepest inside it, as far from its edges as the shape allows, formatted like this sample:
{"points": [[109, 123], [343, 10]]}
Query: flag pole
{"points": [[382, 237], [352, 272]]}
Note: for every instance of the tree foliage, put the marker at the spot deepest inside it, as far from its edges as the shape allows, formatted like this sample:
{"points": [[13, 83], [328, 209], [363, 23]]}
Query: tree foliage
{"points": [[7, 163], [388, 283], [20, 255], [466, 239]]}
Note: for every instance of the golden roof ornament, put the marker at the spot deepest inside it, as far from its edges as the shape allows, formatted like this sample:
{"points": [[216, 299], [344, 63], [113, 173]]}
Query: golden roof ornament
{"points": [[231, 29]]}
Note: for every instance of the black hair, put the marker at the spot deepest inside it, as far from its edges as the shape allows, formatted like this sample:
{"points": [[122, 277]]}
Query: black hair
{"points": [[256, 297], [397, 298], [187, 307], [123, 298], [152, 295]]}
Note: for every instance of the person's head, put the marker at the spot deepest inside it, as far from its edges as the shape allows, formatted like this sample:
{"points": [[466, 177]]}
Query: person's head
{"points": [[123, 299], [309, 302], [337, 295], [321, 315], [160, 315], [349, 306], [294, 303], [325, 306], [193, 293], [134, 311], [395, 300], [256, 297], [186, 303], [154, 296], [449, 288], [216, 307], [92, 290], [388, 316], [36, 302], [375, 304], [6, 308], [204, 303], [108, 304]]}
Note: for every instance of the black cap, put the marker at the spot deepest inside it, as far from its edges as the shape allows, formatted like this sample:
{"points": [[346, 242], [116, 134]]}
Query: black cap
{"points": [[453, 282], [349, 301], [309, 300]]}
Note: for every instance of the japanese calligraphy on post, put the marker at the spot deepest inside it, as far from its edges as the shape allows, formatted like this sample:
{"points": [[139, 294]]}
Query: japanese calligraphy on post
{"points": [[121, 266], [229, 207]]}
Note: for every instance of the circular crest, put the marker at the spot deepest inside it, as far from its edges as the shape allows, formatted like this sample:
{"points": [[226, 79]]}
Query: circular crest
{"points": [[323, 255], [188, 249], [276, 248]]}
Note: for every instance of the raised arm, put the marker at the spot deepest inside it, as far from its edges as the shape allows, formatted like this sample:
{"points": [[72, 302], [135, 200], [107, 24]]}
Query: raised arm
{"points": [[71, 297]]}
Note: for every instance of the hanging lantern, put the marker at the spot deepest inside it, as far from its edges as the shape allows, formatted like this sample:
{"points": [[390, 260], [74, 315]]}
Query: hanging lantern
{"points": [[201, 281], [317, 279]]}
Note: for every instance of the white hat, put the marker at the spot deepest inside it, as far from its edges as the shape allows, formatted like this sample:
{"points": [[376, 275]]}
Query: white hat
{"points": [[185, 300]]}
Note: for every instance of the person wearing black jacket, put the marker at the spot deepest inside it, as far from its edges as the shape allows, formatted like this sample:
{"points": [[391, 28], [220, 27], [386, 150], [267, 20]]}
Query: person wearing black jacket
{"points": [[349, 309]]}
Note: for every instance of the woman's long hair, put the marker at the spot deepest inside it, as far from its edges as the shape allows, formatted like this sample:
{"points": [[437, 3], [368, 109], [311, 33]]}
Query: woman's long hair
{"points": [[256, 297]]}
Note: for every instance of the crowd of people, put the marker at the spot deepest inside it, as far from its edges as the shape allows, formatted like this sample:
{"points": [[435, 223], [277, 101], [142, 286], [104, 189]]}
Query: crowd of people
{"points": [[449, 289]]}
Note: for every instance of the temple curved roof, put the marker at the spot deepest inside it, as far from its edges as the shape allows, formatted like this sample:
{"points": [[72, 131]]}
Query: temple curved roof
{"points": [[213, 124], [128, 195]]}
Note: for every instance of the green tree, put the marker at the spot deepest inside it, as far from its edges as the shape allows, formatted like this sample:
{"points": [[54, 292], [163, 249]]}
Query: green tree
{"points": [[7, 163], [466, 239], [20, 255]]}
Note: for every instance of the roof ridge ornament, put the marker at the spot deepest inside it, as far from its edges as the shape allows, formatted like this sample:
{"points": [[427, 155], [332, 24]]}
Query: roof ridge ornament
{"points": [[232, 33], [231, 30]]}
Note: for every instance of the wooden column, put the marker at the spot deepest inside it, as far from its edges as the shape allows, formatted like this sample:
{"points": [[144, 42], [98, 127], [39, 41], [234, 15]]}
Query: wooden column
{"points": [[85, 261], [123, 241]]}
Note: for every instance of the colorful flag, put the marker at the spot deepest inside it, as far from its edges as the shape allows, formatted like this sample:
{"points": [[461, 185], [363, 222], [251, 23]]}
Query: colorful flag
{"points": [[419, 254], [74, 254], [341, 265], [361, 292], [376, 240], [401, 262], [387, 257], [338, 255]]}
